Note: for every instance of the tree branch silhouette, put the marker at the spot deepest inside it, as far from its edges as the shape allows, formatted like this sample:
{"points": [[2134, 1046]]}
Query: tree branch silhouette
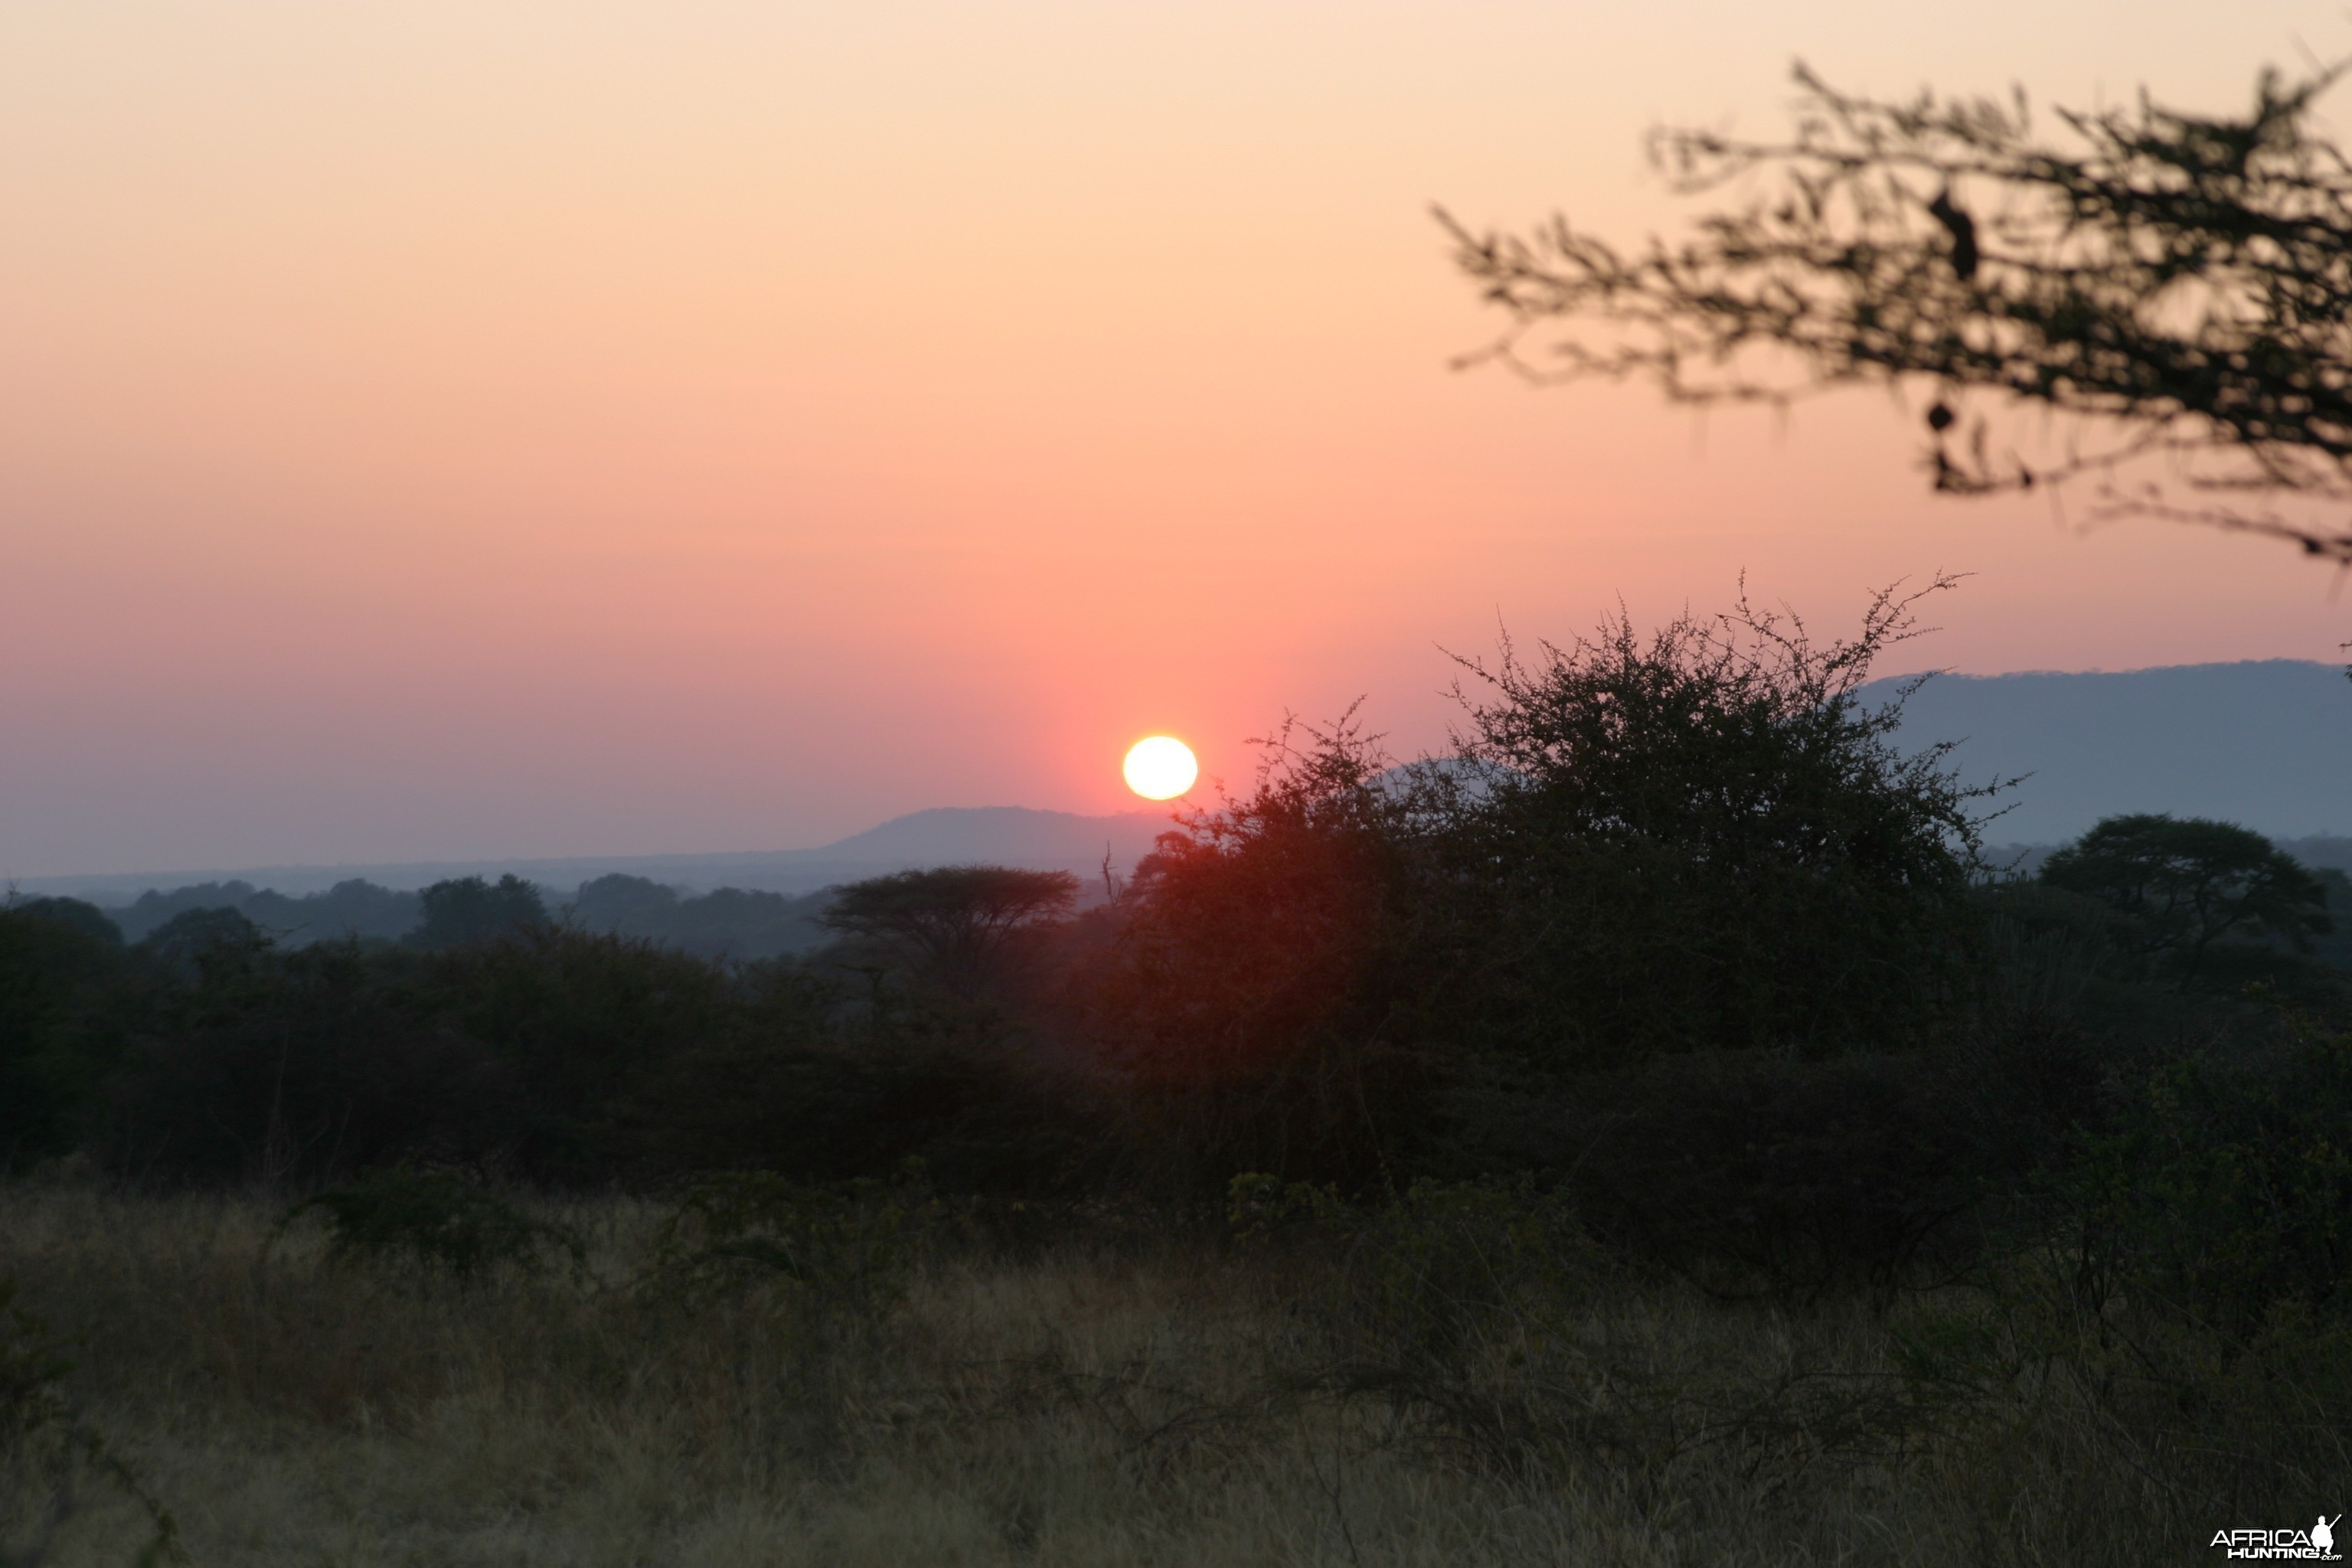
{"points": [[2175, 287]]}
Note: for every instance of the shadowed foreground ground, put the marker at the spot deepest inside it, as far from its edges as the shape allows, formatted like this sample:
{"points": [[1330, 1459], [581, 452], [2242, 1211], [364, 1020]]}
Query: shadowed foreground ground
{"points": [[1129, 1401]]}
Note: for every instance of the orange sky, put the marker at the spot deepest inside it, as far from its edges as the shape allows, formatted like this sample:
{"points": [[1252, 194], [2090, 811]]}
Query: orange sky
{"points": [[448, 430]]}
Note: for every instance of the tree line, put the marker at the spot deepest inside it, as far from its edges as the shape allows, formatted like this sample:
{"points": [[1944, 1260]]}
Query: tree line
{"points": [[724, 923], [1677, 933]]}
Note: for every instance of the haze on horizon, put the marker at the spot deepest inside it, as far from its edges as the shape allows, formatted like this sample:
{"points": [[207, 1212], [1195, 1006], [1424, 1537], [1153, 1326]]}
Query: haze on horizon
{"points": [[454, 432]]}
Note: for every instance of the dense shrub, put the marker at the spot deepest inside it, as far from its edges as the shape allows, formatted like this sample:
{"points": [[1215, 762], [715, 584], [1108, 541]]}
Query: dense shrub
{"points": [[465, 909], [1705, 840], [818, 1083], [1699, 842], [577, 1021], [1770, 1174], [65, 994], [563, 1058], [2224, 1188], [303, 1066], [436, 1222], [1260, 990]]}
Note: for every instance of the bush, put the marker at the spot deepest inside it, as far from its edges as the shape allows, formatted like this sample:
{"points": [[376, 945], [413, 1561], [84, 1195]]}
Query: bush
{"points": [[46, 1447], [837, 1258], [304, 1067], [1700, 842], [1784, 1177], [1429, 1271], [832, 1102], [578, 1022], [845, 1250], [65, 997], [2223, 1191], [1704, 841], [1261, 992], [463, 910], [435, 1222]]}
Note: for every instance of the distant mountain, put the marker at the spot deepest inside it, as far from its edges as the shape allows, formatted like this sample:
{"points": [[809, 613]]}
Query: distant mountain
{"points": [[1004, 834], [2267, 743], [1007, 835]]}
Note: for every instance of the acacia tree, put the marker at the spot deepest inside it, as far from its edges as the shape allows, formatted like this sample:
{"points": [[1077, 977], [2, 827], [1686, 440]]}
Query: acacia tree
{"points": [[2187, 885], [960, 918], [2174, 285]]}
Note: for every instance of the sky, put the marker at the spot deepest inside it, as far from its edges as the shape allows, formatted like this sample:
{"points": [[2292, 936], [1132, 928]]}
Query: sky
{"points": [[446, 430]]}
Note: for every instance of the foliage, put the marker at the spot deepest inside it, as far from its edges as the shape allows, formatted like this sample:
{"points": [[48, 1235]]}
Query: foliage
{"points": [[2185, 886], [725, 923], [962, 920], [578, 1022], [1254, 987], [436, 1222], [1428, 1269], [1706, 840], [841, 1257], [2176, 284], [215, 947], [1246, 936], [1761, 1176], [47, 1448], [1699, 841], [846, 1249], [466, 911], [2223, 1191], [75, 914], [63, 990], [300, 1067], [352, 908]]}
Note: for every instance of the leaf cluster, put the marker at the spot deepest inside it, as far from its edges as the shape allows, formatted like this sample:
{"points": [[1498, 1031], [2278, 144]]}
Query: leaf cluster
{"points": [[960, 918], [2183, 887], [436, 1222]]}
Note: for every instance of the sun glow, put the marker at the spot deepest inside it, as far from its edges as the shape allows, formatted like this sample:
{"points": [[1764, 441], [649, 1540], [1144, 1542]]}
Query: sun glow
{"points": [[1161, 767]]}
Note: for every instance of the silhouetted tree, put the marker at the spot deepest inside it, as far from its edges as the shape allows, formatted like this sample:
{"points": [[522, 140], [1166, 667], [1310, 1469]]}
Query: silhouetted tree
{"points": [[1246, 937], [1705, 838], [208, 944], [1261, 966], [960, 919], [2181, 284], [62, 987], [2189, 884], [352, 908], [634, 906], [467, 910]]}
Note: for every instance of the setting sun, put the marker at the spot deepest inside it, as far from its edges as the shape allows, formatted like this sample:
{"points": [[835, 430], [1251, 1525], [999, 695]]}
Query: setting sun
{"points": [[1161, 767]]}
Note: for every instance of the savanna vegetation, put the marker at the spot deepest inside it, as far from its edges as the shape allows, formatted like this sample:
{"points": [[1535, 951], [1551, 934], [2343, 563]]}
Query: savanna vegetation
{"points": [[1648, 1135]]}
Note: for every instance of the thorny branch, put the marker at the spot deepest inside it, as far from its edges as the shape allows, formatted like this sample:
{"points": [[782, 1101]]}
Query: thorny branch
{"points": [[2176, 286]]}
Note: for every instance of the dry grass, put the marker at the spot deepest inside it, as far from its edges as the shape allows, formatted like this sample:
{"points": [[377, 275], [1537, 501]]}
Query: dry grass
{"points": [[1176, 1403]]}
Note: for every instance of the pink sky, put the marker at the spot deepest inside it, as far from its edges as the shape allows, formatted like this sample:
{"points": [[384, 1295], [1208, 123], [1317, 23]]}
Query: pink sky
{"points": [[459, 430]]}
